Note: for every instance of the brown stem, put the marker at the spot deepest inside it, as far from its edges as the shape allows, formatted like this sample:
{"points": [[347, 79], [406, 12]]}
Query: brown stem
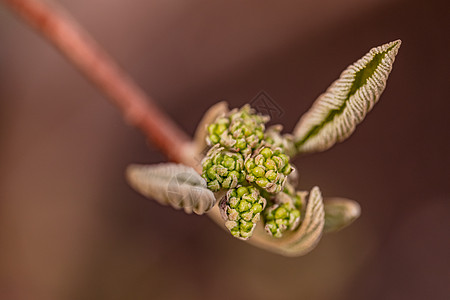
{"points": [[55, 24]]}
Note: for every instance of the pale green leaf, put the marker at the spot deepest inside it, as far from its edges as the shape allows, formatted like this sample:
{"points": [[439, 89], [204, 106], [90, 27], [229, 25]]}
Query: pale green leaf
{"points": [[172, 184], [339, 213], [335, 114]]}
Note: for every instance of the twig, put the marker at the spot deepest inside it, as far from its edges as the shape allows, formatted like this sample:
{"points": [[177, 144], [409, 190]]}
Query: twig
{"points": [[59, 28]]}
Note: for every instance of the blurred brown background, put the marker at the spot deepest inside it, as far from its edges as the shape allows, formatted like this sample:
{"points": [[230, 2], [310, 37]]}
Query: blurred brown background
{"points": [[71, 228]]}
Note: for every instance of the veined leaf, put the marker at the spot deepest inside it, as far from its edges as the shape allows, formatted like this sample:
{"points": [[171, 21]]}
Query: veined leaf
{"points": [[178, 185], [339, 213], [335, 114]]}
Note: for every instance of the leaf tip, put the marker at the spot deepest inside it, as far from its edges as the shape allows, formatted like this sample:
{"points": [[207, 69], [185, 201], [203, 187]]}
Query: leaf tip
{"points": [[397, 43], [315, 190], [132, 174], [392, 47], [340, 213]]}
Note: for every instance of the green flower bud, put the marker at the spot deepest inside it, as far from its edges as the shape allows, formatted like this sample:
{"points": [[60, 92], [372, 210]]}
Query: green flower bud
{"points": [[268, 168], [223, 169], [297, 197], [282, 215], [241, 209], [239, 130]]}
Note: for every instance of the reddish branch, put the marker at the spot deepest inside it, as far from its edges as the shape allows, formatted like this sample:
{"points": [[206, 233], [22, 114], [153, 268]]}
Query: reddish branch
{"points": [[78, 46]]}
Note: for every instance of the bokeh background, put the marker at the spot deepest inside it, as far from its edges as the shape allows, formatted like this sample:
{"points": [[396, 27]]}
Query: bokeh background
{"points": [[71, 228]]}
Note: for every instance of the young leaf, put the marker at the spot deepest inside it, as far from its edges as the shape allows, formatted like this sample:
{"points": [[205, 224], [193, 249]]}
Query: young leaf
{"points": [[335, 114], [174, 184], [339, 213]]}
